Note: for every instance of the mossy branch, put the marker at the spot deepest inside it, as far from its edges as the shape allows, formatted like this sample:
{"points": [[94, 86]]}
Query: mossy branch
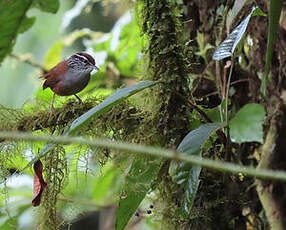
{"points": [[129, 148]]}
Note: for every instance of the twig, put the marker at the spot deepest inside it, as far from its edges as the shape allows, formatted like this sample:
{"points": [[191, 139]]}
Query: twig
{"points": [[231, 84], [28, 60], [205, 116], [81, 201]]}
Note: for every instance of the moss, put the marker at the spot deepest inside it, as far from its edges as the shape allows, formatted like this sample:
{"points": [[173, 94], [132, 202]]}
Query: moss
{"points": [[55, 173], [168, 63], [59, 119], [125, 121], [9, 117]]}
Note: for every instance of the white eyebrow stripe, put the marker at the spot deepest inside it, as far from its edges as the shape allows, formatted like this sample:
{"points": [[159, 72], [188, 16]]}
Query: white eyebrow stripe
{"points": [[81, 56]]}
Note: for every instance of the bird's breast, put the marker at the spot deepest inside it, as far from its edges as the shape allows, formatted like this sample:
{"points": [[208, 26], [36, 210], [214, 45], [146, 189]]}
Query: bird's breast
{"points": [[73, 82]]}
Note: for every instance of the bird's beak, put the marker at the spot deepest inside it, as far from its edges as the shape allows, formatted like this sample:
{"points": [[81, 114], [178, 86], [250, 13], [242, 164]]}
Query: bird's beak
{"points": [[95, 67]]}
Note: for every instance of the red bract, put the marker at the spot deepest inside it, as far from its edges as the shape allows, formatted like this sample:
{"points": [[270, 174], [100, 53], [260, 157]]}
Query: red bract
{"points": [[39, 183]]}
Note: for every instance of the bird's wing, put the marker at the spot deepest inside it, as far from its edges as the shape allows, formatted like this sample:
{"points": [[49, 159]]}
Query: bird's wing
{"points": [[55, 75]]}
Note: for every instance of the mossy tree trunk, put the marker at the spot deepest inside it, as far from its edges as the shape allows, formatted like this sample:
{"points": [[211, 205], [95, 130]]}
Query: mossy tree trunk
{"points": [[222, 202], [168, 63]]}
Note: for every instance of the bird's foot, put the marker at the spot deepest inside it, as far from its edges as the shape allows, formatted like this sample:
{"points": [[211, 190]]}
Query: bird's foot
{"points": [[51, 112]]}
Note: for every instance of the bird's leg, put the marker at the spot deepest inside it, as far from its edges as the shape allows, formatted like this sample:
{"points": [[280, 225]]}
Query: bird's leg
{"points": [[79, 100], [52, 104]]}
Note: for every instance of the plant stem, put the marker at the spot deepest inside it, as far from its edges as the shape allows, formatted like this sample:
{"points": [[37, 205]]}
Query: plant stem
{"points": [[227, 90], [128, 148]]}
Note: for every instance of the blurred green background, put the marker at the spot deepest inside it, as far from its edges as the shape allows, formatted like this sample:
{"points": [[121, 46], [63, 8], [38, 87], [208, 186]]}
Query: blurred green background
{"points": [[20, 80]]}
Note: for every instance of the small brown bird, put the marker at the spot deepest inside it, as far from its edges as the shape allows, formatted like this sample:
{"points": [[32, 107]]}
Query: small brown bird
{"points": [[70, 76]]}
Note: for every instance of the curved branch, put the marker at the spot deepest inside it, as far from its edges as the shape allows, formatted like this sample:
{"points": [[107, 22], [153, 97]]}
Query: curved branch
{"points": [[151, 151]]}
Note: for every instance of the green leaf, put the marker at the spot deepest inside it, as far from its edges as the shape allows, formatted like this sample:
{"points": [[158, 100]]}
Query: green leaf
{"points": [[26, 24], [258, 12], [274, 17], [50, 6], [213, 114], [105, 183], [127, 207], [13, 20], [203, 48], [186, 174], [246, 126], [193, 142], [143, 171], [119, 96], [227, 47], [41, 154], [10, 222]]}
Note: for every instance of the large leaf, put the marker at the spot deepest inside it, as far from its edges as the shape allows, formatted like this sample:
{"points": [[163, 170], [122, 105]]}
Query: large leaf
{"points": [[13, 20], [106, 105], [228, 46], [193, 142], [246, 126], [143, 171], [274, 17], [106, 184], [186, 174]]}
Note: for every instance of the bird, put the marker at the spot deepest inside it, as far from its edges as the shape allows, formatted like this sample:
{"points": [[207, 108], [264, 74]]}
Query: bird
{"points": [[70, 76]]}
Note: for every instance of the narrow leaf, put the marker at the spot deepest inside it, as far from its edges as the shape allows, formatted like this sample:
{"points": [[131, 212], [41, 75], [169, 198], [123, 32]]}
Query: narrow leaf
{"points": [[137, 184], [107, 104], [237, 6], [246, 126], [41, 154], [186, 174], [274, 17], [228, 46]]}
